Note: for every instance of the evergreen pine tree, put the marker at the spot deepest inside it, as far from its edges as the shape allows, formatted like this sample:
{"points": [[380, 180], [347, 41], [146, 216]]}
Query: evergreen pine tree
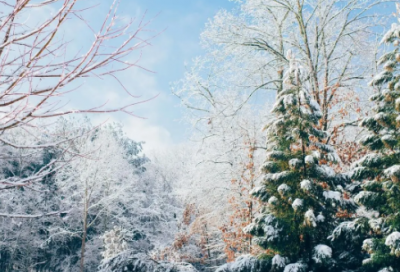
{"points": [[377, 175], [301, 192]]}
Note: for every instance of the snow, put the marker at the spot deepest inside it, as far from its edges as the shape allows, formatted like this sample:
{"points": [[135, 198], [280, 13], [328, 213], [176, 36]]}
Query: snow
{"points": [[269, 219], [332, 195], [388, 138], [393, 172], [279, 261], [376, 224], [320, 218], [389, 65], [269, 226], [368, 160], [270, 233], [346, 230], [306, 185], [283, 189], [278, 177], [367, 138], [268, 166], [393, 241], [114, 242], [305, 111], [141, 263], [363, 212], [314, 105], [304, 97], [273, 200], [259, 192], [244, 263], [316, 154], [275, 155], [297, 203], [386, 269], [368, 245], [325, 147], [366, 261], [325, 171], [380, 117], [394, 32], [295, 163], [310, 160], [361, 197], [309, 218], [289, 100], [296, 267], [250, 228], [322, 253]]}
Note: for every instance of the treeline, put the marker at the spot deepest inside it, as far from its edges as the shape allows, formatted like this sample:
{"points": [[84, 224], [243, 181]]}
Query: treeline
{"points": [[315, 77], [316, 189]]}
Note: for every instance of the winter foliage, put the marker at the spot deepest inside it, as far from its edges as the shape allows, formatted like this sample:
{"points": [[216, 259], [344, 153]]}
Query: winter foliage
{"points": [[91, 199], [299, 182], [270, 180], [377, 175]]}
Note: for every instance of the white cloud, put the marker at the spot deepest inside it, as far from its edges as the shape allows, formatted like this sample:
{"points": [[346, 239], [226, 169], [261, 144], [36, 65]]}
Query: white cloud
{"points": [[155, 136]]}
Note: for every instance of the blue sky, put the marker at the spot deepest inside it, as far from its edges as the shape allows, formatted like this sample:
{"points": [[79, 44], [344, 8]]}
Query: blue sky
{"points": [[179, 24]]}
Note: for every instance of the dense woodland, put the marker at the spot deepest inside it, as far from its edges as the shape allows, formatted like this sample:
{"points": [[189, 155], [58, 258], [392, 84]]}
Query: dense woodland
{"points": [[293, 159]]}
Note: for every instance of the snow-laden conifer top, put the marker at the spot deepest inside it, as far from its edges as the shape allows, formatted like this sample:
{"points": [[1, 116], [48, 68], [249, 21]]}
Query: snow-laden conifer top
{"points": [[321, 253]]}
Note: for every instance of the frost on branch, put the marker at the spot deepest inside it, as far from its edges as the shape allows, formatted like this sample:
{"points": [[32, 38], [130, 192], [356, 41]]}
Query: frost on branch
{"points": [[260, 193], [386, 269], [283, 189], [332, 195], [377, 225], [296, 267], [306, 185], [392, 34], [366, 197], [273, 200], [393, 172], [368, 245], [297, 204], [114, 242], [310, 219], [350, 230], [322, 254], [130, 261], [246, 263], [393, 241], [279, 262]]}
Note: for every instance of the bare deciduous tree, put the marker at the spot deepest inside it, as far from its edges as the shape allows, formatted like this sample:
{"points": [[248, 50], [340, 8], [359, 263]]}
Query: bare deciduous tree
{"points": [[39, 67], [335, 41]]}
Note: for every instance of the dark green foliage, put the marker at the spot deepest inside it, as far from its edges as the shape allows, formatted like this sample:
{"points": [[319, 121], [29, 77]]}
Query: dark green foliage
{"points": [[301, 192], [374, 240]]}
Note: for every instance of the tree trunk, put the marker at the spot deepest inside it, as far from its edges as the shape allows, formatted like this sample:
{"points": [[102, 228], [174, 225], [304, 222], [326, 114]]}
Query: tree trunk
{"points": [[84, 234]]}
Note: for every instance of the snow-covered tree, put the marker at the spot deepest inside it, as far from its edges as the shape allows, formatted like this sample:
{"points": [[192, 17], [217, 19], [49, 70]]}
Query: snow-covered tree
{"points": [[114, 242], [46, 217], [40, 68], [377, 175], [243, 207], [301, 192], [26, 212], [96, 185], [245, 55]]}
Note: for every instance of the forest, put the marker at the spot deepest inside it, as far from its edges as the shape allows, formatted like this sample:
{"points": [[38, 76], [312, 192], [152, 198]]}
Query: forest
{"points": [[291, 162]]}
